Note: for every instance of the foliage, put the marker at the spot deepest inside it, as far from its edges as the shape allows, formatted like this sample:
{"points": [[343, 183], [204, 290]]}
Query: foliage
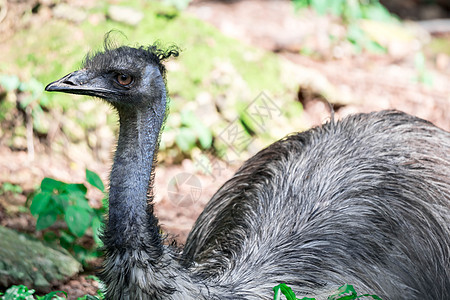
{"points": [[351, 11], [9, 187], [32, 100], [191, 131], [59, 200], [360, 40], [345, 292], [21, 292]]}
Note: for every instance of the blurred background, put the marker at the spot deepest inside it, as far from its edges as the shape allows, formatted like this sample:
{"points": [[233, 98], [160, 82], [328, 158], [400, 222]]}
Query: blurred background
{"points": [[250, 72]]}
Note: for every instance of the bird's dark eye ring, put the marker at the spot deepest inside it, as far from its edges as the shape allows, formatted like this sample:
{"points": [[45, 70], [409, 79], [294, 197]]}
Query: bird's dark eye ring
{"points": [[124, 79]]}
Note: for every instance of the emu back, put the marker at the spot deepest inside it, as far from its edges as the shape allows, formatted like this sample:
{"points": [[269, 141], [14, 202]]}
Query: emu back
{"points": [[363, 201]]}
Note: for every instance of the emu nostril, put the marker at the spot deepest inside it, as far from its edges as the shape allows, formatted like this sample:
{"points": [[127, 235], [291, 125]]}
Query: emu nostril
{"points": [[70, 82]]}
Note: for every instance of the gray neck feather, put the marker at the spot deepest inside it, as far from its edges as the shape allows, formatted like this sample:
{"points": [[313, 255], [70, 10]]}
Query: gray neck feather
{"points": [[131, 172], [137, 265]]}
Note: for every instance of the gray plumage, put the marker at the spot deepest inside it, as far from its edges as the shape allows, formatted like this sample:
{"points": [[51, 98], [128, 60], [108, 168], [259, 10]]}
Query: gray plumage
{"points": [[363, 201]]}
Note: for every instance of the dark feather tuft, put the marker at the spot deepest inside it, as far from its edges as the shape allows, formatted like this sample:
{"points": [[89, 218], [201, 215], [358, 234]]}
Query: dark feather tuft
{"points": [[113, 56]]}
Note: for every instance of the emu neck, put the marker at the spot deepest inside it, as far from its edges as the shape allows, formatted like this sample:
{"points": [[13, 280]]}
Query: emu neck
{"points": [[131, 222], [137, 265]]}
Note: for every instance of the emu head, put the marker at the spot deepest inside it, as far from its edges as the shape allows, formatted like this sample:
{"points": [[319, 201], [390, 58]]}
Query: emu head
{"points": [[125, 77]]}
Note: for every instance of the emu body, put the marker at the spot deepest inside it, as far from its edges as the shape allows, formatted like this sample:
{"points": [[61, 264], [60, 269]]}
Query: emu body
{"points": [[363, 201]]}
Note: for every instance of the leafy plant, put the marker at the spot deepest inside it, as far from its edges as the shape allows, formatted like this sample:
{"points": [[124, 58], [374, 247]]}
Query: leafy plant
{"points": [[33, 100], [9, 187], [59, 200], [351, 11], [191, 131], [345, 292], [360, 40], [21, 292]]}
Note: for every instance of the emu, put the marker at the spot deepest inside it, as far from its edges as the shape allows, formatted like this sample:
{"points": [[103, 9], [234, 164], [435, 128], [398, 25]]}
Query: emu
{"points": [[363, 201]]}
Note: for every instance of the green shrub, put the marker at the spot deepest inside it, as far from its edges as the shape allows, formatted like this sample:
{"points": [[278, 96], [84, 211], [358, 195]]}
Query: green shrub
{"points": [[21, 292], [67, 201]]}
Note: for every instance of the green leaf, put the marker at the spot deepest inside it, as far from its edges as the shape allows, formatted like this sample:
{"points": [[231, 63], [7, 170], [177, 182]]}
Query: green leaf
{"points": [[67, 238], [25, 101], [81, 253], [320, 6], [44, 101], [9, 187], [285, 290], [52, 185], [96, 230], [40, 203], [53, 296], [353, 10], [45, 220], [94, 180], [186, 139], [375, 47], [81, 202], [73, 188], [345, 292], [61, 202], [356, 35], [16, 292], [9, 82], [35, 87], [204, 135], [301, 4], [277, 293], [189, 120], [377, 12], [77, 219]]}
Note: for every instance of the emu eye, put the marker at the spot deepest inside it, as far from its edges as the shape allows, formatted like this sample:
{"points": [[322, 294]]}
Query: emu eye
{"points": [[124, 79]]}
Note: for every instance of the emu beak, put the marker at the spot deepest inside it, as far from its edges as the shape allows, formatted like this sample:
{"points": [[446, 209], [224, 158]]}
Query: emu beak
{"points": [[80, 82]]}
